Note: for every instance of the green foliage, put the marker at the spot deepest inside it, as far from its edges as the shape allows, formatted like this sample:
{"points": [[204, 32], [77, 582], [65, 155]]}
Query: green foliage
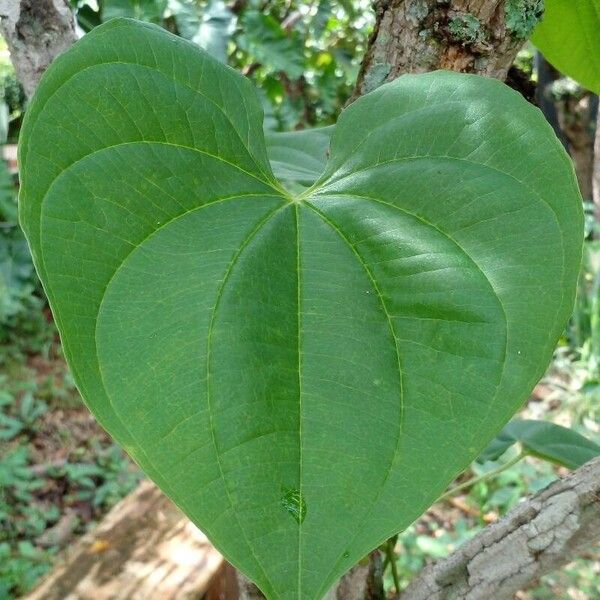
{"points": [[21, 568], [584, 328], [12, 98], [545, 440], [317, 49], [304, 58], [21, 520], [267, 42], [97, 477], [298, 157], [146, 10], [25, 518], [213, 33], [235, 337], [568, 38], [102, 483], [18, 416], [23, 327]]}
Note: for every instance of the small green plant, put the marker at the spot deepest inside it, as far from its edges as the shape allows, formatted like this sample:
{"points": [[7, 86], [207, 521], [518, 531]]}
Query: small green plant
{"points": [[19, 416], [21, 520], [23, 326], [96, 476], [584, 329], [104, 482]]}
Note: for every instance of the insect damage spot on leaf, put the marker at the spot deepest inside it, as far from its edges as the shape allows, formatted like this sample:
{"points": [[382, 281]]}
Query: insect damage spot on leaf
{"points": [[294, 503]]}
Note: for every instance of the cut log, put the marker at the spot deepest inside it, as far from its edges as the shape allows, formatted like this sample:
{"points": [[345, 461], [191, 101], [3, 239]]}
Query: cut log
{"points": [[144, 549]]}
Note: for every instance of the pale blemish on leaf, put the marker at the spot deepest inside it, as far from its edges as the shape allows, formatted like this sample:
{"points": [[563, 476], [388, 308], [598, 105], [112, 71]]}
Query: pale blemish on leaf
{"points": [[294, 503]]}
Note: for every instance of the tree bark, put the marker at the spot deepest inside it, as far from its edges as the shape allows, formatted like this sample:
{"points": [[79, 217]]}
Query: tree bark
{"points": [[471, 36], [576, 115], [36, 32], [536, 537]]}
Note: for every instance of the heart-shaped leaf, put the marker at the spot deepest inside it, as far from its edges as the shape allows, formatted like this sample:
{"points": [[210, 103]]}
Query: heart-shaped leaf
{"points": [[302, 374]]}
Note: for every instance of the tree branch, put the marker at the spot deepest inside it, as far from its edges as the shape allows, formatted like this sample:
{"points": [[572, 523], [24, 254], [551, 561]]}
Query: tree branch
{"points": [[536, 537], [36, 32]]}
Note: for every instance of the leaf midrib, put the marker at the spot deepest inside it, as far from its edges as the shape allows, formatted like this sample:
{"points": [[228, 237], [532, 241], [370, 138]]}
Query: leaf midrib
{"points": [[295, 206], [120, 418], [321, 189]]}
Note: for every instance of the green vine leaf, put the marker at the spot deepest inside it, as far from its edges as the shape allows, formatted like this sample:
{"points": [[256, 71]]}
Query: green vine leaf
{"points": [[302, 373], [545, 440], [568, 38]]}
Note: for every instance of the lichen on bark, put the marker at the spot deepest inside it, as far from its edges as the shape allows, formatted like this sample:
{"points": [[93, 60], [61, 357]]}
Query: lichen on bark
{"points": [[522, 16]]}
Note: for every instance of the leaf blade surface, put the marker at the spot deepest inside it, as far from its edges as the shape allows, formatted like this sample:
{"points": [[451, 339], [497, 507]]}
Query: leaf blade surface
{"points": [[303, 375]]}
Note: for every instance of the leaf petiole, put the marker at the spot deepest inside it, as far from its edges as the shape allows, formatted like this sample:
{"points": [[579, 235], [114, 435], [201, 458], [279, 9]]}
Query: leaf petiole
{"points": [[390, 556], [483, 477]]}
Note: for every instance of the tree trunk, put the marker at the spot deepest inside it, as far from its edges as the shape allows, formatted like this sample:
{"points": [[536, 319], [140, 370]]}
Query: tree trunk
{"points": [[36, 32], [576, 115], [470, 36], [546, 76]]}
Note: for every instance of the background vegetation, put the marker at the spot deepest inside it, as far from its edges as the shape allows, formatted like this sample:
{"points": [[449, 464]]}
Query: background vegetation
{"points": [[59, 473]]}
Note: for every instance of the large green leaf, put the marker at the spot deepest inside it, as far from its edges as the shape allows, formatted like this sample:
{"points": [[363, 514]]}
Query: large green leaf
{"points": [[210, 27], [302, 374], [569, 37]]}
